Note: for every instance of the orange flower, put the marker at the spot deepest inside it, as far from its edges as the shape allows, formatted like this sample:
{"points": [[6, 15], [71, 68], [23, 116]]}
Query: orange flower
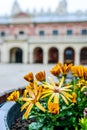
{"points": [[53, 108], [79, 71], [55, 71], [64, 69], [60, 69], [85, 73], [74, 96], [41, 76], [29, 77], [14, 96]]}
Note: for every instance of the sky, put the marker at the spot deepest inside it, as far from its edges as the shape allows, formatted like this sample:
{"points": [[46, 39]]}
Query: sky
{"points": [[72, 5]]}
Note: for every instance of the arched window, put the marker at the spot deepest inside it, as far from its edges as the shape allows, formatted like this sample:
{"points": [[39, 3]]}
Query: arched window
{"points": [[21, 33], [16, 55], [69, 55], [53, 55], [38, 55], [83, 56]]}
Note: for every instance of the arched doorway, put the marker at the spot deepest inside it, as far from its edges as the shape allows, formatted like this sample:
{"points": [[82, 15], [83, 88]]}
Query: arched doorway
{"points": [[16, 55], [38, 55], [69, 55], [83, 56], [53, 55]]}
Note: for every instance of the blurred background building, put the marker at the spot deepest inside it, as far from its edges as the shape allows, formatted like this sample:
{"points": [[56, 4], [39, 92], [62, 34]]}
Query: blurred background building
{"points": [[44, 37]]}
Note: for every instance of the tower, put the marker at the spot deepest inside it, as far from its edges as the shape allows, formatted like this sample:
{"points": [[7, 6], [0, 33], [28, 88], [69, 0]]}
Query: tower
{"points": [[62, 7], [16, 8]]}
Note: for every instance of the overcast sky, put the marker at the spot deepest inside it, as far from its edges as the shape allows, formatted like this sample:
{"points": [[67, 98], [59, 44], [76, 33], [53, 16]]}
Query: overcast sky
{"points": [[73, 5]]}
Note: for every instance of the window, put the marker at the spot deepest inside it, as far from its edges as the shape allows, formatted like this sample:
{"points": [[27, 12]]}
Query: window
{"points": [[84, 32], [55, 32], [21, 32], [53, 55], [69, 55], [83, 56], [41, 33], [69, 32], [3, 34]]}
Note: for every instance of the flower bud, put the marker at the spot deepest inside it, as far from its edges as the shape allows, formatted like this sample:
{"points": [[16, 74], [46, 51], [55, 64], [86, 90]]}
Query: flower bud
{"points": [[29, 77]]}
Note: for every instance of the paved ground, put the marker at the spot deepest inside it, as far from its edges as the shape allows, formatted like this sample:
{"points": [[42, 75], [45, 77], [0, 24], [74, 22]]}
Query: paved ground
{"points": [[11, 75]]}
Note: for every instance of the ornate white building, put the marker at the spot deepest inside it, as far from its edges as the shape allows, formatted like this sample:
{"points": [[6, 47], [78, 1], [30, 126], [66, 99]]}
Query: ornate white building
{"points": [[44, 37]]}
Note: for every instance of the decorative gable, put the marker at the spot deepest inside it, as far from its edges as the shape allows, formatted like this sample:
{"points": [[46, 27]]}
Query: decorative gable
{"points": [[21, 15]]}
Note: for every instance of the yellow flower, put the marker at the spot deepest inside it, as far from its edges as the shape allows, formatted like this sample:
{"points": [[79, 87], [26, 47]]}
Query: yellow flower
{"points": [[57, 91], [25, 93], [74, 96], [82, 84], [41, 76], [14, 96], [29, 77], [33, 99], [53, 108]]}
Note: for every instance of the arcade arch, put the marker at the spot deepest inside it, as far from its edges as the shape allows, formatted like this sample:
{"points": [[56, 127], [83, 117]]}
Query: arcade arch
{"points": [[69, 55], [38, 55], [83, 56], [53, 55], [16, 55]]}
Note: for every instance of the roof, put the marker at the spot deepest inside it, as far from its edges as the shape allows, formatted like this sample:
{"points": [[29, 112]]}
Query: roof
{"points": [[60, 18], [48, 18], [5, 20], [59, 15]]}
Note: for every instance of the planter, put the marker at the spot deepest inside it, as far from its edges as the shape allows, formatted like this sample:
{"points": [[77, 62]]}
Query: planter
{"points": [[3, 115], [8, 113], [52, 103], [11, 117]]}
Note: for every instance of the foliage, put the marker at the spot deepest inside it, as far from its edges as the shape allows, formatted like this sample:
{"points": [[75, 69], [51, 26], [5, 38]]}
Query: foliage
{"points": [[55, 103]]}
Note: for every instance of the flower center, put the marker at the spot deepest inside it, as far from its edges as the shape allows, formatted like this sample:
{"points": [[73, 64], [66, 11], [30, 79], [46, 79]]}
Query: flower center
{"points": [[56, 89]]}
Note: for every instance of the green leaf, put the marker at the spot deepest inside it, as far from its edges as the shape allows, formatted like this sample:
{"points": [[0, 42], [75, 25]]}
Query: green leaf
{"points": [[35, 126], [45, 128]]}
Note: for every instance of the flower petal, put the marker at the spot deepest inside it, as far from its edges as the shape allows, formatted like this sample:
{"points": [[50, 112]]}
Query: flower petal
{"points": [[26, 114], [56, 98], [40, 106], [62, 80], [65, 100], [46, 95], [24, 106], [50, 99]]}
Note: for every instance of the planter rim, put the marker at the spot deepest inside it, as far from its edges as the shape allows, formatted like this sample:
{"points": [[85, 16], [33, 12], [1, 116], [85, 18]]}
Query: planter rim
{"points": [[3, 115]]}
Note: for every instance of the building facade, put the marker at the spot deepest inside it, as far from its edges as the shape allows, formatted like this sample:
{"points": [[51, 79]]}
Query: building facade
{"points": [[44, 37]]}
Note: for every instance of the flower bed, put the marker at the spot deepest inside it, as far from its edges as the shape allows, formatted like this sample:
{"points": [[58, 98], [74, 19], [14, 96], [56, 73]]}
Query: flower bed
{"points": [[57, 102]]}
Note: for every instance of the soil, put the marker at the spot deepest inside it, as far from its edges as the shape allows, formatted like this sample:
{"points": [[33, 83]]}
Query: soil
{"points": [[21, 124]]}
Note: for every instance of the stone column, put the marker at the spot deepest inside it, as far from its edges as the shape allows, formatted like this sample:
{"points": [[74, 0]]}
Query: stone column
{"points": [[5, 57], [30, 56], [77, 56], [25, 53], [45, 56], [61, 55]]}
